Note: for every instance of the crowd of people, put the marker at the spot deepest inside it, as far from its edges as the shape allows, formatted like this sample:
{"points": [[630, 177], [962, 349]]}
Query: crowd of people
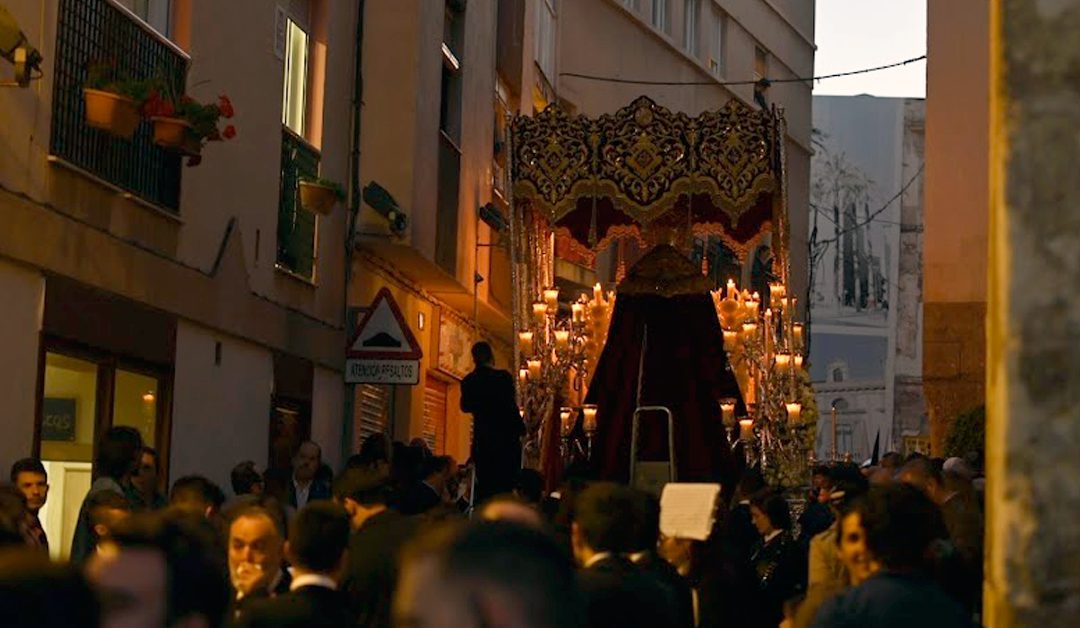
{"points": [[392, 540], [403, 537]]}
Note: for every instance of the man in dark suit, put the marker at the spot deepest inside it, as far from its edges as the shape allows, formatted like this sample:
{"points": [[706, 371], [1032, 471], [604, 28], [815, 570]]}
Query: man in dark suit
{"points": [[379, 533], [305, 487], [256, 548], [488, 394], [426, 494], [317, 550], [617, 592], [489, 573], [643, 553]]}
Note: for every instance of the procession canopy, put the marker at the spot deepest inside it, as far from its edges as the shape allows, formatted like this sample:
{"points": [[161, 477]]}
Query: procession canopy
{"points": [[645, 168]]}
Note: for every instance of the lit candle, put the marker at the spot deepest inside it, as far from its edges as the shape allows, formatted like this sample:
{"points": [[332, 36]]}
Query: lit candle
{"points": [[539, 312], [551, 299], [797, 330], [562, 339], [750, 394], [783, 361], [577, 312], [597, 294], [534, 368], [794, 410], [525, 341], [752, 306], [727, 412], [731, 293], [730, 340], [749, 329], [588, 413], [783, 303], [798, 361], [746, 429], [566, 415], [523, 376]]}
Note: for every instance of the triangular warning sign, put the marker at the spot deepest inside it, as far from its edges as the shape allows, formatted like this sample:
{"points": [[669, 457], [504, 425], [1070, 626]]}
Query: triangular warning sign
{"points": [[383, 333]]}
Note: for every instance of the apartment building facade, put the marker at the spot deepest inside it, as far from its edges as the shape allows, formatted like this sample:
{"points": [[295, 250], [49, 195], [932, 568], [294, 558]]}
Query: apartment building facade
{"points": [[202, 305]]}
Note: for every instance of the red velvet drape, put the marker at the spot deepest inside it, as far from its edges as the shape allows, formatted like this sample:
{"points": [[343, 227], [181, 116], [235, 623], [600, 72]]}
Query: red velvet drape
{"points": [[686, 369]]}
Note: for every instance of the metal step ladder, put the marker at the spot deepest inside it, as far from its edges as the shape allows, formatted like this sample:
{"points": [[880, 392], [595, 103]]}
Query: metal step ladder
{"points": [[649, 476]]}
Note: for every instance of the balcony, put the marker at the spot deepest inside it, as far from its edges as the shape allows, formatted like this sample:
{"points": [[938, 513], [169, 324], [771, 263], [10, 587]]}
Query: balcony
{"points": [[297, 227], [90, 31]]}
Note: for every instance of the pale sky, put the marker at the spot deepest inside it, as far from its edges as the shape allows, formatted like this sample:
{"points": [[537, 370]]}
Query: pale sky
{"points": [[856, 34]]}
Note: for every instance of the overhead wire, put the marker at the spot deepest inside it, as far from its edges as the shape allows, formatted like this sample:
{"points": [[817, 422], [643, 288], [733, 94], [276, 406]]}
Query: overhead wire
{"points": [[762, 81]]}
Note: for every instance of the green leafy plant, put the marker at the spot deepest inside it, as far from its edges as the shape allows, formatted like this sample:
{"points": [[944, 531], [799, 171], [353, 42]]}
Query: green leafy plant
{"points": [[967, 434], [339, 191], [106, 77]]}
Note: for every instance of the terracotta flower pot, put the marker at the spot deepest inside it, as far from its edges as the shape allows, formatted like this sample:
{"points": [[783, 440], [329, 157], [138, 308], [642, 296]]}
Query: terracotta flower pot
{"points": [[170, 132], [316, 198], [113, 113]]}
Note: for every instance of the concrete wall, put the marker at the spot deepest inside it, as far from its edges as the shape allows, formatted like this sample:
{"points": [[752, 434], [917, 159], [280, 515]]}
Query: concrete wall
{"points": [[20, 324], [957, 175], [221, 412]]}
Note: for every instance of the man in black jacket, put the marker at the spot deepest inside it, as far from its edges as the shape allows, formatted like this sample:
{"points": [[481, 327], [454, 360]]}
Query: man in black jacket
{"points": [[256, 546], [488, 394], [617, 592], [646, 536], [317, 550], [378, 535], [427, 493]]}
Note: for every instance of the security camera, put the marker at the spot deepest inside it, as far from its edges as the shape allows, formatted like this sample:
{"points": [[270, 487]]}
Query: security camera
{"points": [[380, 200], [17, 49]]}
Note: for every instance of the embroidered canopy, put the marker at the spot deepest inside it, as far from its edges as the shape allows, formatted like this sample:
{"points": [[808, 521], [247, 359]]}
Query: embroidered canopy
{"points": [[595, 180]]}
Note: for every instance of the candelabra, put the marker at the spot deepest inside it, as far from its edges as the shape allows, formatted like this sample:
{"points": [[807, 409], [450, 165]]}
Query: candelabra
{"points": [[558, 352], [764, 348]]}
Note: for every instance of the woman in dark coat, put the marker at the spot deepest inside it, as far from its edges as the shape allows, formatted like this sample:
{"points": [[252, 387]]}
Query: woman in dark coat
{"points": [[777, 569]]}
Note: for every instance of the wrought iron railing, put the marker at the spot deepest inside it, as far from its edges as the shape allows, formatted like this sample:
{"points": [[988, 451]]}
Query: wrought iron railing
{"points": [[296, 230], [98, 31]]}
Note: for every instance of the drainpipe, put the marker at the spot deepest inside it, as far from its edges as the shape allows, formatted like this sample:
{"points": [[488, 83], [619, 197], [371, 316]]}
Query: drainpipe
{"points": [[354, 213]]}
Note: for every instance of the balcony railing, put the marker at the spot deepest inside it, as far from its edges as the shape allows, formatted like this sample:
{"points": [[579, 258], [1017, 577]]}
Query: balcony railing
{"points": [[296, 230], [98, 31]]}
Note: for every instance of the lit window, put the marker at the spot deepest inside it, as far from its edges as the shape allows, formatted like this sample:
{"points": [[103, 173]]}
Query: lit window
{"points": [[294, 106]]}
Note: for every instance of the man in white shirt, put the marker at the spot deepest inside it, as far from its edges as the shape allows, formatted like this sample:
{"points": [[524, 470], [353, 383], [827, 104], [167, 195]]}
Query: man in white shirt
{"points": [[304, 487]]}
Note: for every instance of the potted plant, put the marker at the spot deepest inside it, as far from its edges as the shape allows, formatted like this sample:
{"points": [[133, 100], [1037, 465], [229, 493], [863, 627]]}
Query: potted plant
{"points": [[112, 101], [320, 195], [186, 124]]}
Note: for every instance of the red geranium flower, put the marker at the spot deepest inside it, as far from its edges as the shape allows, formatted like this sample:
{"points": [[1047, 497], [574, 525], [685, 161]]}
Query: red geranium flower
{"points": [[229, 132], [225, 106]]}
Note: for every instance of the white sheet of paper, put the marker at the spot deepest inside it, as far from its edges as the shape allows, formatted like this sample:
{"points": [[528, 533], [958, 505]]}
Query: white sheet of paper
{"points": [[687, 511]]}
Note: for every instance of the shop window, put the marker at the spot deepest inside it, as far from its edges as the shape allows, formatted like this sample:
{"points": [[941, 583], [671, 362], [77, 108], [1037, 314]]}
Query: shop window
{"points": [[81, 398], [135, 403]]}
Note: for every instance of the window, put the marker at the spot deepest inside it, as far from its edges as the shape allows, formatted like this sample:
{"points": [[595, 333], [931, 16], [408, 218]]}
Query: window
{"points": [[690, 25], [297, 227], [294, 93], [716, 61], [453, 48], [838, 375], [761, 63], [545, 37], [840, 404], [633, 5], [660, 19], [155, 13], [81, 398]]}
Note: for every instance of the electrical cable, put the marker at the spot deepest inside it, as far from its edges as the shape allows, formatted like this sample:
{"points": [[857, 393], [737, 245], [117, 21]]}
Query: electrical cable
{"points": [[763, 81]]}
